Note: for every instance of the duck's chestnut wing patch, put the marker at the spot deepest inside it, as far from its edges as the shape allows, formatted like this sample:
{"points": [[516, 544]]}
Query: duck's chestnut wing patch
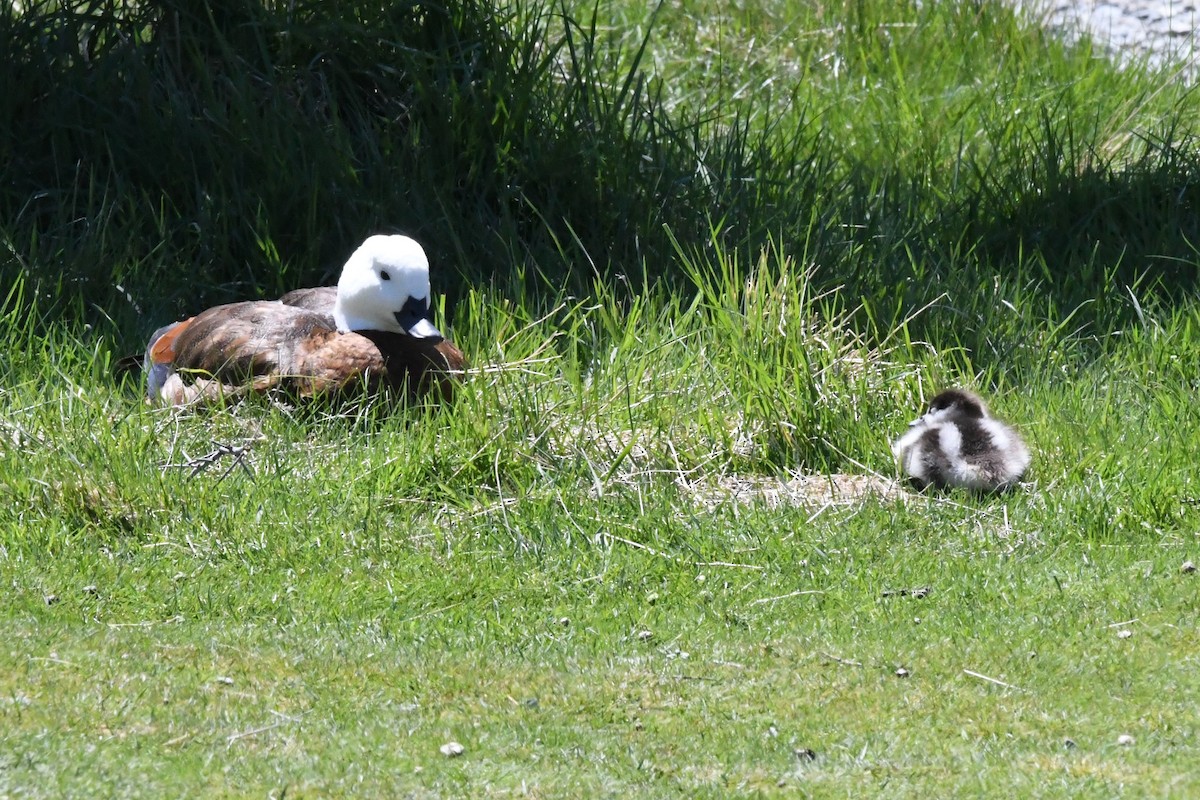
{"points": [[376, 359], [263, 343]]}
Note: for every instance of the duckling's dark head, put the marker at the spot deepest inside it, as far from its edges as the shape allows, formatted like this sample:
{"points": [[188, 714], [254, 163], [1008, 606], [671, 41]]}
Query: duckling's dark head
{"points": [[958, 401]]}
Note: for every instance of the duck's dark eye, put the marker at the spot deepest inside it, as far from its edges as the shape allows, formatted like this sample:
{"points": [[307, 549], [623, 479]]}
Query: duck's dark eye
{"points": [[383, 275]]}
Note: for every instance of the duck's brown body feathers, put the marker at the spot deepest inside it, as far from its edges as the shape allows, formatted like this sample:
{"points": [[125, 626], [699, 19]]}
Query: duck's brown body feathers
{"points": [[295, 347], [319, 299]]}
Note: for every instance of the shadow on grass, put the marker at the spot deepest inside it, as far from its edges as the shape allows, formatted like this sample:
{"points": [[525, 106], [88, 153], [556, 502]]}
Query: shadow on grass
{"points": [[1097, 225], [196, 152], [164, 157], [1060, 235]]}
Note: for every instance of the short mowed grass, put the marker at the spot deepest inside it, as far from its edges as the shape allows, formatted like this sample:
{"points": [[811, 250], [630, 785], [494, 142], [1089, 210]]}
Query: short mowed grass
{"points": [[692, 254]]}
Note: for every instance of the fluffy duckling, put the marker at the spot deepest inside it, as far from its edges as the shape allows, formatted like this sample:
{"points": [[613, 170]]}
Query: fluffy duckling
{"points": [[957, 443], [370, 331]]}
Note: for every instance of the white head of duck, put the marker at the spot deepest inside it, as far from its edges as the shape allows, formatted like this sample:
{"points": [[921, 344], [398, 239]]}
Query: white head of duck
{"points": [[385, 287]]}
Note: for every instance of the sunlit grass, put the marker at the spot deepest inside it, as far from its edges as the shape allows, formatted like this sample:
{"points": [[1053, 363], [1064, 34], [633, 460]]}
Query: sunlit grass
{"points": [[538, 572]]}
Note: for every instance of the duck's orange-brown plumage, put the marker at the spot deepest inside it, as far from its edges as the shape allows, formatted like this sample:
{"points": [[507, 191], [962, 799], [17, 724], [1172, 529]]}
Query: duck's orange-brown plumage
{"points": [[268, 345], [293, 345]]}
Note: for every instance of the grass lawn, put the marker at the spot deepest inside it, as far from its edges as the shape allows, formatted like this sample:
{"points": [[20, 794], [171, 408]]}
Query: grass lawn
{"points": [[655, 548]]}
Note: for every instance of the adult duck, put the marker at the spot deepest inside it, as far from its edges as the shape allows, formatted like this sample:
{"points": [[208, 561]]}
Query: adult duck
{"points": [[369, 332], [958, 443]]}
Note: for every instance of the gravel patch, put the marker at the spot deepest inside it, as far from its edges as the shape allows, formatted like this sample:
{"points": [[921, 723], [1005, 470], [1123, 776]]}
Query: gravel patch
{"points": [[798, 489], [1160, 32]]}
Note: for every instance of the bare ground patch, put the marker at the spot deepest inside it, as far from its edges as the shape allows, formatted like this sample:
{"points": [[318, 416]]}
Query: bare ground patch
{"points": [[799, 489]]}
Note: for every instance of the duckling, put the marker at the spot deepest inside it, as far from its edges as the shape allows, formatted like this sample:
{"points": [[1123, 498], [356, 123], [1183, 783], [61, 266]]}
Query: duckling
{"points": [[371, 330], [958, 444]]}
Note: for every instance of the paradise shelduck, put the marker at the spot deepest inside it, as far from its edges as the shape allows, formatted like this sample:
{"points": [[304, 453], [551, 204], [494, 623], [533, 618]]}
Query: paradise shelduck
{"points": [[958, 444], [370, 331]]}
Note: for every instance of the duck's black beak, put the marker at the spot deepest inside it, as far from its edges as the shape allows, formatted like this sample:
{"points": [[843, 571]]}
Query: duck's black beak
{"points": [[413, 319]]}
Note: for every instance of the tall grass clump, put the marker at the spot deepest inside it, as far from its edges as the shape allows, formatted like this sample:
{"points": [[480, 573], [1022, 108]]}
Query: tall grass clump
{"points": [[195, 151], [961, 156], [166, 156]]}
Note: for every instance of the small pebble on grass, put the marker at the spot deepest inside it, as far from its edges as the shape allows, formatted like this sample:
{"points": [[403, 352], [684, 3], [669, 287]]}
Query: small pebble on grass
{"points": [[1124, 633], [1125, 740], [452, 749], [1188, 568]]}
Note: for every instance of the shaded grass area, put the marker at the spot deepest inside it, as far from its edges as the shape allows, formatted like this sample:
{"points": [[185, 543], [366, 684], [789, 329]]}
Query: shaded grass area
{"points": [[254, 144], [164, 157]]}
